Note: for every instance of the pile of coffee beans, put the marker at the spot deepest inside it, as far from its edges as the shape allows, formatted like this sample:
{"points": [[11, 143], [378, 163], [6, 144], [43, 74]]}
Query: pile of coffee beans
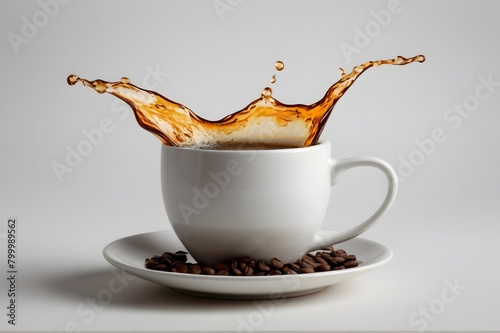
{"points": [[325, 260]]}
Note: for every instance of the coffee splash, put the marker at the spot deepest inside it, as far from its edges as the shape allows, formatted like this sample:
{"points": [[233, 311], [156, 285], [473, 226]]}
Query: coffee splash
{"points": [[264, 122]]}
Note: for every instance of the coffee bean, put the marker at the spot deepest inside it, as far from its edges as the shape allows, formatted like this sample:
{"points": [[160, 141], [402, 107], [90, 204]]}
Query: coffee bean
{"points": [[321, 261], [339, 260], [248, 270], [351, 264], [237, 272], [222, 272], [194, 269], [180, 267], [242, 265], [307, 270], [308, 259], [262, 266], [221, 266], [207, 270], [349, 257], [276, 263], [323, 268], [180, 256], [304, 264], [249, 261], [151, 263], [166, 261], [275, 272], [161, 267]]}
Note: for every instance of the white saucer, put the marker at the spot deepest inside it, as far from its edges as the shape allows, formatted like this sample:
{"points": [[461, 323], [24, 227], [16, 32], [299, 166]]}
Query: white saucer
{"points": [[129, 254]]}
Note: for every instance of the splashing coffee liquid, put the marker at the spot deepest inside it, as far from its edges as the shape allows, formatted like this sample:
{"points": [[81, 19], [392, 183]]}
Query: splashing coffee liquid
{"points": [[265, 122]]}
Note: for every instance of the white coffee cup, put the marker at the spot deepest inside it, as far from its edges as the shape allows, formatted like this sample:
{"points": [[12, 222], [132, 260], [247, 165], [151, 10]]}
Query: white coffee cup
{"points": [[264, 204]]}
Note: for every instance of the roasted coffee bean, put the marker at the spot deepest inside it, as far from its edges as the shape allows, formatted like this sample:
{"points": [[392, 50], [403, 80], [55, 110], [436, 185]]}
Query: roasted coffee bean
{"points": [[181, 255], [207, 270], [180, 267], [161, 267], [349, 257], [151, 263], [351, 264], [248, 270], [222, 272], [249, 261], [234, 263], [194, 269], [307, 270], [166, 261], [275, 272], [276, 263], [242, 265], [323, 268], [166, 257], [321, 261], [304, 264], [328, 248], [338, 268], [262, 266], [221, 266], [334, 254], [339, 260], [325, 255], [308, 260], [237, 272]]}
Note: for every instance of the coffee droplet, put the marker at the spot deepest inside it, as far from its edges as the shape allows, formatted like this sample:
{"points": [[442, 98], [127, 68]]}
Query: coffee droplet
{"points": [[262, 123], [100, 87], [72, 79], [266, 93], [342, 72], [273, 79], [125, 80], [279, 65]]}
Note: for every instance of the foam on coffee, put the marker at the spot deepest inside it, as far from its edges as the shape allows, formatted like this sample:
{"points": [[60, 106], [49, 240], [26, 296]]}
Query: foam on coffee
{"points": [[264, 122]]}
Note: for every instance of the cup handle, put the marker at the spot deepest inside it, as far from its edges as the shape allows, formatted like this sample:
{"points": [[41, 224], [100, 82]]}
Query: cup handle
{"points": [[337, 169]]}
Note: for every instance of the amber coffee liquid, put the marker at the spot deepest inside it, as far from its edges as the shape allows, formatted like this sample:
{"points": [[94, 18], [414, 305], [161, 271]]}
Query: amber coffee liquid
{"points": [[265, 123]]}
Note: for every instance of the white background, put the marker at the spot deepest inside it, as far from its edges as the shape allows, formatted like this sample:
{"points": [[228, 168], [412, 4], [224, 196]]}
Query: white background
{"points": [[215, 57]]}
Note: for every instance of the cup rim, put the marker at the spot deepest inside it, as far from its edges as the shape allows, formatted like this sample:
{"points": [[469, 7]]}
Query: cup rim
{"points": [[319, 143]]}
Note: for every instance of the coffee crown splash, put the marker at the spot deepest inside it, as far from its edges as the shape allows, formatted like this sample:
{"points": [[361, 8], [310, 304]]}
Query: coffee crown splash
{"points": [[265, 122]]}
